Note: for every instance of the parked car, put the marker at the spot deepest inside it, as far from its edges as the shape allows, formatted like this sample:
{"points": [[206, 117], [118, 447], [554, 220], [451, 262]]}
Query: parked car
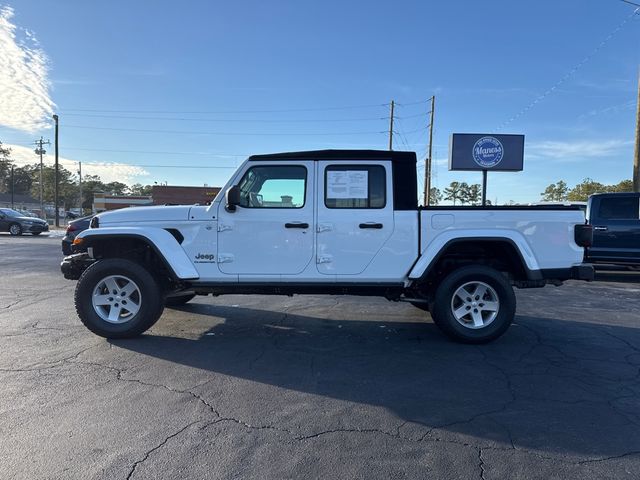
{"points": [[325, 222], [17, 223], [74, 227], [615, 218]]}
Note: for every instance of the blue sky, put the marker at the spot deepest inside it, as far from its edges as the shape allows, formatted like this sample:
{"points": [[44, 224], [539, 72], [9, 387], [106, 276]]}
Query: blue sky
{"points": [[212, 82]]}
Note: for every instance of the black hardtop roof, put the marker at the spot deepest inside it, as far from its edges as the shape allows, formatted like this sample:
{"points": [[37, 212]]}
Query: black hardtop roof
{"points": [[394, 156]]}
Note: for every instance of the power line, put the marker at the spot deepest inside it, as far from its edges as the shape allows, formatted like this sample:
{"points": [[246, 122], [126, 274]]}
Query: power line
{"points": [[156, 152], [185, 132], [414, 103], [227, 120], [571, 72], [203, 112], [122, 164]]}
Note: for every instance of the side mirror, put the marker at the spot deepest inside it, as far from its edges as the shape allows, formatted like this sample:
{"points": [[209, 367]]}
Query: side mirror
{"points": [[232, 198]]}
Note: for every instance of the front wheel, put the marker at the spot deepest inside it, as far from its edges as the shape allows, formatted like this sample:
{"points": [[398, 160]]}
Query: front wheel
{"points": [[117, 298], [179, 300], [474, 304]]}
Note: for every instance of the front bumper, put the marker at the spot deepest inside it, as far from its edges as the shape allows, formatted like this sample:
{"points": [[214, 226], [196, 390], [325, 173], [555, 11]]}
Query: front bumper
{"points": [[73, 265], [35, 228]]}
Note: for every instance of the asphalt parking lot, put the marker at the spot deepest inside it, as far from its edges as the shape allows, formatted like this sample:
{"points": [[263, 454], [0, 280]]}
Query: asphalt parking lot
{"points": [[315, 387]]}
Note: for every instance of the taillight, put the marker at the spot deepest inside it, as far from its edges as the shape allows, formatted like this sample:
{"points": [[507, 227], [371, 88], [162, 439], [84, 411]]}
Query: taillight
{"points": [[583, 235], [71, 228]]}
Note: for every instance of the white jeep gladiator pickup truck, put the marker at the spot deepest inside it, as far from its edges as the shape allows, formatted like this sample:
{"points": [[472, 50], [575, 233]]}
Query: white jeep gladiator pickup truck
{"points": [[325, 222]]}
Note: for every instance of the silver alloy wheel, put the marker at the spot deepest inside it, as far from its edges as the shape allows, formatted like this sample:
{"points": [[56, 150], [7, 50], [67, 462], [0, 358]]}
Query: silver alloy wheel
{"points": [[116, 299], [15, 229], [475, 305]]}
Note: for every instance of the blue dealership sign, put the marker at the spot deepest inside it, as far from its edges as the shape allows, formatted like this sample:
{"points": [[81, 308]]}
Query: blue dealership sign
{"points": [[471, 151]]}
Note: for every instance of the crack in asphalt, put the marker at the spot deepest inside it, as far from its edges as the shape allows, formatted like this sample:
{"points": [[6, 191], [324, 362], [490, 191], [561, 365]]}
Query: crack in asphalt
{"points": [[157, 447], [49, 365], [481, 465], [604, 459]]}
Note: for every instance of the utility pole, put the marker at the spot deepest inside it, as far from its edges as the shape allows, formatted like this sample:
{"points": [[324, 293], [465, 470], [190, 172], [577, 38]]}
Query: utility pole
{"points": [[428, 160], [391, 126], [41, 151], [55, 196], [80, 176], [13, 186], [636, 155]]}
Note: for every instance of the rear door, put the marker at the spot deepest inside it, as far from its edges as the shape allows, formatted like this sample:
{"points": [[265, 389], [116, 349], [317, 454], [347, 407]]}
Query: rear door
{"points": [[616, 228], [355, 214]]}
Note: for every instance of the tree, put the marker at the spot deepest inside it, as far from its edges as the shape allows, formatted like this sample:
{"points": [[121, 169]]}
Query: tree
{"points": [[23, 179], [453, 192], [623, 186], [68, 191], [435, 196], [139, 189], [116, 188], [582, 191], [5, 167], [471, 193], [556, 192]]}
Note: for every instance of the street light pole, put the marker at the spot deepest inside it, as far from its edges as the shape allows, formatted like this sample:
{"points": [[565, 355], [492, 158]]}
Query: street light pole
{"points": [[55, 196]]}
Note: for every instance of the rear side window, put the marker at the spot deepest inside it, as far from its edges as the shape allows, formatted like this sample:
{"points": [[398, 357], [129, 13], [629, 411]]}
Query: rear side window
{"points": [[619, 208], [355, 186]]}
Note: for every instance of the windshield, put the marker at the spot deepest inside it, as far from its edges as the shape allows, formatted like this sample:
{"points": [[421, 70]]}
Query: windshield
{"points": [[11, 213]]}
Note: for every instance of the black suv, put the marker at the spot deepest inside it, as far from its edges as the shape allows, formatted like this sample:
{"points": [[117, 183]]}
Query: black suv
{"points": [[16, 223], [615, 218]]}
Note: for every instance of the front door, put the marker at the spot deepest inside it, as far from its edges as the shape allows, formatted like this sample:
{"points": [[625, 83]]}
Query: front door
{"points": [[271, 231], [355, 214]]}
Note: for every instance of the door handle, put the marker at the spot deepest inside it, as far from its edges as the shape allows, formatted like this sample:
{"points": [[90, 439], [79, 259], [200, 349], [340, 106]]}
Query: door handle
{"points": [[600, 229], [296, 225], [371, 225]]}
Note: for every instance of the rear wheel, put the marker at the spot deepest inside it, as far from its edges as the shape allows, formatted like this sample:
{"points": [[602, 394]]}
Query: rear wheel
{"points": [[178, 300], [117, 298], [15, 229], [475, 304]]}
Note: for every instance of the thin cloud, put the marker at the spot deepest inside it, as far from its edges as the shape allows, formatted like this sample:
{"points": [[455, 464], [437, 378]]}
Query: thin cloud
{"points": [[108, 172], [577, 149], [25, 103]]}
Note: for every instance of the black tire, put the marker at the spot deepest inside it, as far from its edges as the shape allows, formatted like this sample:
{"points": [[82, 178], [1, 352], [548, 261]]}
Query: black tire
{"points": [[464, 330], [35, 234], [150, 296], [179, 300], [15, 229], [421, 306]]}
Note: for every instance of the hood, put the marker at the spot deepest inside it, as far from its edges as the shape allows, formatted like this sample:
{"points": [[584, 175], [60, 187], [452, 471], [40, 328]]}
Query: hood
{"points": [[145, 214]]}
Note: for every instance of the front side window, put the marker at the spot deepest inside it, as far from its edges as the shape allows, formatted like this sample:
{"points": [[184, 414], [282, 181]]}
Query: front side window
{"points": [[273, 186], [619, 208], [355, 186]]}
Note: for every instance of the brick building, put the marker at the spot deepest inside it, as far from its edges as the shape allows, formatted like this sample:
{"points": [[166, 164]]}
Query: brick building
{"points": [[174, 195], [105, 201]]}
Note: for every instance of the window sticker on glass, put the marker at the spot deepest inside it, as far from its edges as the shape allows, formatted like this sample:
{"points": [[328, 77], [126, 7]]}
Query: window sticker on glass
{"points": [[348, 184]]}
